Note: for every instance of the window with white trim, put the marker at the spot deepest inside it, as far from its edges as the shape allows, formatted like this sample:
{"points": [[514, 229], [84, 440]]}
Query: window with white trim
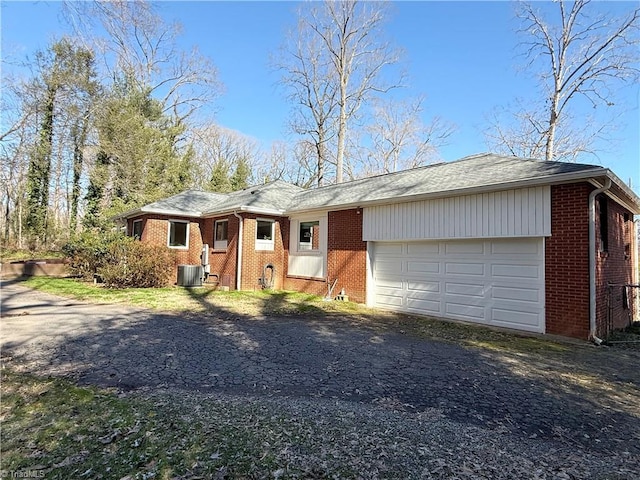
{"points": [[178, 235], [220, 234], [309, 236], [265, 233], [136, 229]]}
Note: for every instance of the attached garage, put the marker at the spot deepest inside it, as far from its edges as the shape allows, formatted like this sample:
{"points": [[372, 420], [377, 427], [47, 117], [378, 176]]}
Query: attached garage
{"points": [[496, 282], [478, 257]]}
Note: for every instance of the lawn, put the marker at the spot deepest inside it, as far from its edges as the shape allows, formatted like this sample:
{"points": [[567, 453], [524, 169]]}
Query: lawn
{"points": [[200, 299]]}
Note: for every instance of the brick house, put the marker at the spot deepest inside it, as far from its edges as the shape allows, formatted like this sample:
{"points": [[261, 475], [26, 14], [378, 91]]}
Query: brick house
{"points": [[497, 240]]}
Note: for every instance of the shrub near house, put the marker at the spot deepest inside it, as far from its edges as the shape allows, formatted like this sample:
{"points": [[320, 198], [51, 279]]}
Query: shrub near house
{"points": [[120, 261]]}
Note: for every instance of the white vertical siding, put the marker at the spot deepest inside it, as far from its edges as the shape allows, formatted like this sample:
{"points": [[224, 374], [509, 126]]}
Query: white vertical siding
{"points": [[524, 212]]}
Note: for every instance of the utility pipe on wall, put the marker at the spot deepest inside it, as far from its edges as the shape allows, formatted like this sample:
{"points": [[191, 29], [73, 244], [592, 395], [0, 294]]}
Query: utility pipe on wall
{"points": [[239, 263], [592, 260]]}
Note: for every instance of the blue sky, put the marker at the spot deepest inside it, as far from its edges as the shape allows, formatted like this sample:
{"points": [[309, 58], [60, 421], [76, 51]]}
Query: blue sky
{"points": [[462, 57]]}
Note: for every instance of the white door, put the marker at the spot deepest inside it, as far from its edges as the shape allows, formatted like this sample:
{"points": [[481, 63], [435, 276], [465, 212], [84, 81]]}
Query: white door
{"points": [[496, 282]]}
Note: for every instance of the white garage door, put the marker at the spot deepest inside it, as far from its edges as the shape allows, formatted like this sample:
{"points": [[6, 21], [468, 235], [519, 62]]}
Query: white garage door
{"points": [[494, 282]]}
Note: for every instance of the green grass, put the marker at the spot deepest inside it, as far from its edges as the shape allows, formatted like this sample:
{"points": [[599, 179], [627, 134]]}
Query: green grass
{"points": [[202, 299]]}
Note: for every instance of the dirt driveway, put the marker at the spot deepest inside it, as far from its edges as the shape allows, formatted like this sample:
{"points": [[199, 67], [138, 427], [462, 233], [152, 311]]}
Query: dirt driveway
{"points": [[585, 397]]}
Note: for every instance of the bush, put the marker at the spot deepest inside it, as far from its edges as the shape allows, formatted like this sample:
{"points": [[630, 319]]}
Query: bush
{"points": [[87, 253], [131, 263]]}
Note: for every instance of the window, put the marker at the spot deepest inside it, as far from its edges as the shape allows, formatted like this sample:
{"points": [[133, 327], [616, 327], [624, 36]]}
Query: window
{"points": [[136, 231], [309, 236], [220, 234], [264, 234], [178, 234]]}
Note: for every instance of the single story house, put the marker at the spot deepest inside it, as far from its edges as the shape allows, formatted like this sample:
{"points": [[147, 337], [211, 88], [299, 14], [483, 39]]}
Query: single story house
{"points": [[497, 240]]}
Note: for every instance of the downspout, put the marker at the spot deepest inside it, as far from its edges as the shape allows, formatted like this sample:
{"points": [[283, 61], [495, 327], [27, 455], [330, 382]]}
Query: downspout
{"points": [[592, 260], [239, 264]]}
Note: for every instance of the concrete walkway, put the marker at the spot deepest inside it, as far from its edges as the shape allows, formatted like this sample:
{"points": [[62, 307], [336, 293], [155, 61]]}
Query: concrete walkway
{"points": [[132, 348]]}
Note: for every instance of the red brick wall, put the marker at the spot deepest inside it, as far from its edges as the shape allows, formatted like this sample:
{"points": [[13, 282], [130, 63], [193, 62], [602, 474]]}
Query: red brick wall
{"points": [[615, 266], [223, 261], [567, 262], [307, 285], [254, 261], [347, 254]]}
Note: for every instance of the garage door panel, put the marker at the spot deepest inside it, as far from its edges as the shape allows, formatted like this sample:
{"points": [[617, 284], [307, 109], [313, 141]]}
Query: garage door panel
{"points": [[495, 282], [465, 289], [395, 301], [515, 293], [454, 268], [516, 271], [509, 318], [464, 248], [466, 312], [422, 306], [509, 247], [389, 267], [388, 249], [422, 266], [429, 287], [421, 249]]}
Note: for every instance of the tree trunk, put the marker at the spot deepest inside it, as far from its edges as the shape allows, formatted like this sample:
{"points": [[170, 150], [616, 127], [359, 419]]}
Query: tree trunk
{"points": [[78, 160], [551, 132], [39, 172]]}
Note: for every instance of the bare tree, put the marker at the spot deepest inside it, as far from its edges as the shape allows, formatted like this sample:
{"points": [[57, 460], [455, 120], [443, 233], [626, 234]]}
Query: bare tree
{"points": [[220, 153], [400, 140], [143, 47], [335, 67], [579, 54]]}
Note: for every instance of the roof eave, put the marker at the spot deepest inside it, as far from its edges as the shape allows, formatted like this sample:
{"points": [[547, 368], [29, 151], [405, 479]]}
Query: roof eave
{"points": [[631, 203], [245, 209], [554, 179], [156, 211]]}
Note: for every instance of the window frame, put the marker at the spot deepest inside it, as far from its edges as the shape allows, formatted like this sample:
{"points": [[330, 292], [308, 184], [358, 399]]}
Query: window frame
{"points": [[178, 247], [308, 246], [133, 229], [220, 244], [265, 244]]}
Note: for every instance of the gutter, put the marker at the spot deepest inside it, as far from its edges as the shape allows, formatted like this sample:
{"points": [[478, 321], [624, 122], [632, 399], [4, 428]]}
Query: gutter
{"points": [[239, 263], [592, 260]]}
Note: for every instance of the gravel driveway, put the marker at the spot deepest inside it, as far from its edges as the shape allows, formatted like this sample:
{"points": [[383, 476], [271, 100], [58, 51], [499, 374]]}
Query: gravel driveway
{"points": [[588, 404]]}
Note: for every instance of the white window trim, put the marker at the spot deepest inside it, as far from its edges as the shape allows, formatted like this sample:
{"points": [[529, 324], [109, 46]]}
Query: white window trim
{"points": [[133, 228], [262, 244], [220, 244], [177, 247]]}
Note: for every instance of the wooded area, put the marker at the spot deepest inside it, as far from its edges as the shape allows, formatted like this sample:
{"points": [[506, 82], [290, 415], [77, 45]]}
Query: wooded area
{"points": [[104, 124]]}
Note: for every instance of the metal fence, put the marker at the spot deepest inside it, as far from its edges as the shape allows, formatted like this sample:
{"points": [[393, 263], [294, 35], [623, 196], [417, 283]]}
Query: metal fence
{"points": [[623, 306]]}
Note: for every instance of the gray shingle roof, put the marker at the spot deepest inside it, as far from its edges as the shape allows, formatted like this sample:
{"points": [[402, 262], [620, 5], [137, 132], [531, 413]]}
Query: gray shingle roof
{"points": [[483, 172], [274, 196], [478, 171], [191, 202]]}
